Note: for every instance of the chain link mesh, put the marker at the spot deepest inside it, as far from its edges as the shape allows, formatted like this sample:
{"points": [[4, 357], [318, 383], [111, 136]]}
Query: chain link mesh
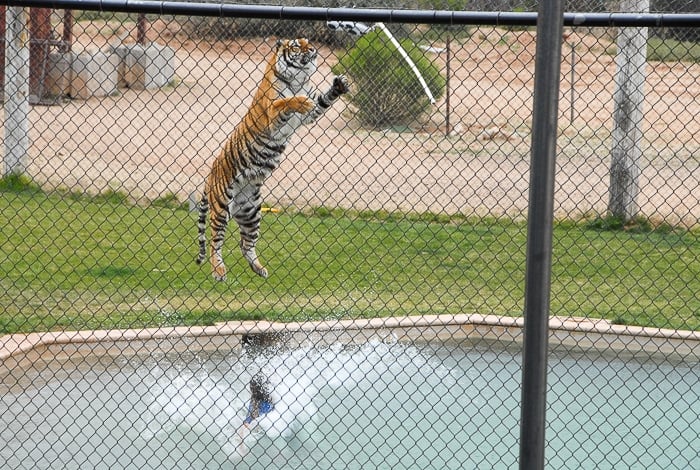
{"points": [[388, 333]]}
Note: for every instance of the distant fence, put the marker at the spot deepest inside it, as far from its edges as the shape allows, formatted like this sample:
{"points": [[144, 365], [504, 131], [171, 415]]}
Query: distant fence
{"points": [[395, 233]]}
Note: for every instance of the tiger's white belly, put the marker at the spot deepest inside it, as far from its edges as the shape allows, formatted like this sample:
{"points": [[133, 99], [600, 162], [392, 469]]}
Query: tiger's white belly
{"points": [[245, 194], [282, 134], [302, 88]]}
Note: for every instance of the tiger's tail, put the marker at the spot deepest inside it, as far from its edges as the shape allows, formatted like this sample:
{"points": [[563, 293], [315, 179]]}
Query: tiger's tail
{"points": [[202, 227]]}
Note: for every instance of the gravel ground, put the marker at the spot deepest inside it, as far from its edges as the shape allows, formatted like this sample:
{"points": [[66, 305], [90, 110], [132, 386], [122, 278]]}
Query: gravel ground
{"points": [[156, 142]]}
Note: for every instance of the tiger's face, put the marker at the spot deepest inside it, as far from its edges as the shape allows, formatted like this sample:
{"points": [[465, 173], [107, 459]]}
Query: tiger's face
{"points": [[296, 57]]}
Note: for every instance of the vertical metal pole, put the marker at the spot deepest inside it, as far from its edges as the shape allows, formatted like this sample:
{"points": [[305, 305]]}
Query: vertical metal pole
{"points": [[539, 240], [2, 45], [447, 85], [39, 37], [573, 79], [141, 29], [67, 36]]}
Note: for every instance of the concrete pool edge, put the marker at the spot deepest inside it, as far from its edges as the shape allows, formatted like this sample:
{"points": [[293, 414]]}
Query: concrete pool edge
{"points": [[584, 333]]}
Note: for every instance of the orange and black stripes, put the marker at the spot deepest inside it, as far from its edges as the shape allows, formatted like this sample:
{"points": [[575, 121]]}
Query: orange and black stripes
{"points": [[281, 105]]}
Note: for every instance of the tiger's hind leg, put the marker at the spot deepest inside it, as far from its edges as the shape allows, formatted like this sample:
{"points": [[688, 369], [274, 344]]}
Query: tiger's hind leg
{"points": [[248, 218], [248, 250], [250, 233], [218, 219], [216, 259]]}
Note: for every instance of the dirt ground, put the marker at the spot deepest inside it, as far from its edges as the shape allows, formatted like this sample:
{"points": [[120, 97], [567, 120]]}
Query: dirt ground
{"points": [[157, 142]]}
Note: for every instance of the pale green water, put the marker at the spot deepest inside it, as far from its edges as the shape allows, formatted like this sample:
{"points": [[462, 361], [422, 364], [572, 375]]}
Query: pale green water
{"points": [[383, 406]]}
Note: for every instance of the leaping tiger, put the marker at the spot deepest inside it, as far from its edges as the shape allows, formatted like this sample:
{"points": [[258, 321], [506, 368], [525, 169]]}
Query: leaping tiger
{"points": [[282, 104]]}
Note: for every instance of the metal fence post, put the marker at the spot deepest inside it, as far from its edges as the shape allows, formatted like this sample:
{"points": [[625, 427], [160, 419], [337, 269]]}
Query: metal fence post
{"points": [[539, 243], [39, 48]]}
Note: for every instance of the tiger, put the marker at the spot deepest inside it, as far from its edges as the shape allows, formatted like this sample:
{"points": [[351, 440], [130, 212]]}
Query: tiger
{"points": [[283, 102]]}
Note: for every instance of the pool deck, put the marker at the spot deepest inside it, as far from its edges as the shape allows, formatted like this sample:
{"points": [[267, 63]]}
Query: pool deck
{"points": [[571, 332]]}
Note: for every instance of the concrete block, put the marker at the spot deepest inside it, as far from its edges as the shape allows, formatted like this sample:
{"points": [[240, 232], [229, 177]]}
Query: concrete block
{"points": [[145, 66], [58, 74], [94, 74]]}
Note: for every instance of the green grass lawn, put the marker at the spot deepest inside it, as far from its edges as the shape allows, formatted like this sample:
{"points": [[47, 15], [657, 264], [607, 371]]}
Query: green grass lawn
{"points": [[73, 262]]}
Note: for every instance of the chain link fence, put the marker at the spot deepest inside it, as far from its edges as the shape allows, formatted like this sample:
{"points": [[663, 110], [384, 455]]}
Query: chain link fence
{"points": [[388, 331]]}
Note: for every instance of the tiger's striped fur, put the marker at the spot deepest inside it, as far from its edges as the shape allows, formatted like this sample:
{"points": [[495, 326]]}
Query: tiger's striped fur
{"points": [[282, 104]]}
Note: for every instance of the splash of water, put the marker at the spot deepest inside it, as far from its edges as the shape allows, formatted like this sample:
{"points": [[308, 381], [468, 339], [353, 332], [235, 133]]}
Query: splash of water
{"points": [[213, 404]]}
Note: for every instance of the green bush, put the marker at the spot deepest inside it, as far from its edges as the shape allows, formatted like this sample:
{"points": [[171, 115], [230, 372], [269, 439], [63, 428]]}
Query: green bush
{"points": [[385, 90], [671, 50]]}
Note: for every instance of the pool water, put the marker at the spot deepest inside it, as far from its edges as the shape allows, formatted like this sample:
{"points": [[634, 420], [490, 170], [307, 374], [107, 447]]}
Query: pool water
{"points": [[375, 406]]}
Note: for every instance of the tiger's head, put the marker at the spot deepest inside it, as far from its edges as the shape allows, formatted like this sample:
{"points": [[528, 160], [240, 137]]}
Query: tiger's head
{"points": [[296, 59]]}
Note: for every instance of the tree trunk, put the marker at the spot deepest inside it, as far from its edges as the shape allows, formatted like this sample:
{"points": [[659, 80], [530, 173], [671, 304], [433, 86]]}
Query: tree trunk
{"points": [[628, 99], [16, 92]]}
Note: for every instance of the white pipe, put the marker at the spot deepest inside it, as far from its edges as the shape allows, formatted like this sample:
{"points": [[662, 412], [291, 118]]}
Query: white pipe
{"points": [[407, 59]]}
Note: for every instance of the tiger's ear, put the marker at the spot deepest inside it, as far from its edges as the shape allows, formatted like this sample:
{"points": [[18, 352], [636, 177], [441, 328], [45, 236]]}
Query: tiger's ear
{"points": [[278, 44]]}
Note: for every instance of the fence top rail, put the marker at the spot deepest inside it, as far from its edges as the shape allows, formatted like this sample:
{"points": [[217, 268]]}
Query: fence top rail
{"points": [[497, 18]]}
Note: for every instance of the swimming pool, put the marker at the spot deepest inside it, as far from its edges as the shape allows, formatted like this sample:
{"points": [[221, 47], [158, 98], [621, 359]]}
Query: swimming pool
{"points": [[380, 404]]}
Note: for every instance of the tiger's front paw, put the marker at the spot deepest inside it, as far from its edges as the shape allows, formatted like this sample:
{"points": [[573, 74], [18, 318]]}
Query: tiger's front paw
{"points": [[302, 104], [341, 85], [306, 105], [294, 104]]}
